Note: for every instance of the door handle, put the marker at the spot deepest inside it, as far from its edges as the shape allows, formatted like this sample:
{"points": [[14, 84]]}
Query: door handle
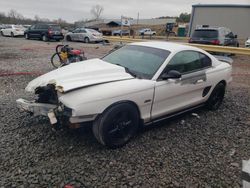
{"points": [[199, 81]]}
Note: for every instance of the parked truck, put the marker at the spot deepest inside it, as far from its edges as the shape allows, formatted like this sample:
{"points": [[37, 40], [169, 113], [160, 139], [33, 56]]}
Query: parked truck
{"points": [[147, 31]]}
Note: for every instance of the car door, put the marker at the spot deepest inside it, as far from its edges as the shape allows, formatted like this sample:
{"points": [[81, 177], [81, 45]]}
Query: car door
{"points": [[177, 94], [82, 34], [74, 35], [147, 32], [32, 31], [7, 31]]}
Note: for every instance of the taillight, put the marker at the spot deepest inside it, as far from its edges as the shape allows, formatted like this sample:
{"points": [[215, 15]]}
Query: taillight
{"points": [[50, 32], [215, 42]]}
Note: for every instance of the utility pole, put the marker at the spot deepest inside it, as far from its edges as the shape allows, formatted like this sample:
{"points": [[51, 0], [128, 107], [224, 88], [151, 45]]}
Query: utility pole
{"points": [[138, 18], [121, 27]]}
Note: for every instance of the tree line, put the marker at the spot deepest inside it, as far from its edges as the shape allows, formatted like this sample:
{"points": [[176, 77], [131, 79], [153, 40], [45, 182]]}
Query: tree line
{"points": [[183, 17], [14, 17]]}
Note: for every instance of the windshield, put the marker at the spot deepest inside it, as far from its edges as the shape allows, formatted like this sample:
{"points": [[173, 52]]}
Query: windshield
{"points": [[142, 61], [55, 27], [205, 33]]}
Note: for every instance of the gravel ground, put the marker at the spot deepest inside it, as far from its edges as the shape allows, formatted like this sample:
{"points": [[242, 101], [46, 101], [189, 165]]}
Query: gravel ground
{"points": [[189, 151]]}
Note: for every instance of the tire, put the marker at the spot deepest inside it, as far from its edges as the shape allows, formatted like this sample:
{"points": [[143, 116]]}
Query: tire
{"points": [[27, 36], [2, 34], [86, 40], [44, 38], [68, 38], [117, 125], [215, 99], [55, 60], [12, 34]]}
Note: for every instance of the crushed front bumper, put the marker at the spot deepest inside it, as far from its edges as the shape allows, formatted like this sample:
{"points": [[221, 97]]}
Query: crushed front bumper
{"points": [[35, 108], [38, 109], [55, 113]]}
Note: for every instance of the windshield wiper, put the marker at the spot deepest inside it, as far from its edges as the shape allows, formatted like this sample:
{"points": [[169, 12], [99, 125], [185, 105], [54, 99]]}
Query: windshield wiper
{"points": [[127, 70], [130, 72]]}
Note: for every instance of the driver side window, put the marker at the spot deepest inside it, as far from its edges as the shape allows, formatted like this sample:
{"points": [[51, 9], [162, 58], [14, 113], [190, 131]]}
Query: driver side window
{"points": [[82, 31], [187, 61], [76, 31]]}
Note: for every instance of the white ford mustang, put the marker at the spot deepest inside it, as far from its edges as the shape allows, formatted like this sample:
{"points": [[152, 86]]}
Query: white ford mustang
{"points": [[135, 85]]}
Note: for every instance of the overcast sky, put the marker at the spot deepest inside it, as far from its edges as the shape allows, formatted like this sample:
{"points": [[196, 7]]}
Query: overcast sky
{"points": [[73, 10]]}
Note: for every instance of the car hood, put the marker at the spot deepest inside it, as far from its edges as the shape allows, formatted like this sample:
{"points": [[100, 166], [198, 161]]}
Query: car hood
{"points": [[80, 74]]}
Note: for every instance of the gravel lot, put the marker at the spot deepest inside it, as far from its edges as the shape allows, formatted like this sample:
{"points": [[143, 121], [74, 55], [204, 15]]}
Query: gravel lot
{"points": [[189, 151]]}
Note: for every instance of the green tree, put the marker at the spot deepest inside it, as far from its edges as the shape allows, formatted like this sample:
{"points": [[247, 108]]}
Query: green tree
{"points": [[184, 17]]}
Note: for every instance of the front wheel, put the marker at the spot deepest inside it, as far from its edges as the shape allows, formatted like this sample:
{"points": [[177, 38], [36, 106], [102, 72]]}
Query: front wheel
{"points": [[216, 97], [68, 38], [117, 125], [12, 34], [56, 61]]}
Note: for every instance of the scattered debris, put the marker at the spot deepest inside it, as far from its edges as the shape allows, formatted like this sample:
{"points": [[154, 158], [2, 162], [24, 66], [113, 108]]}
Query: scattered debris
{"points": [[195, 115], [232, 152], [235, 165]]}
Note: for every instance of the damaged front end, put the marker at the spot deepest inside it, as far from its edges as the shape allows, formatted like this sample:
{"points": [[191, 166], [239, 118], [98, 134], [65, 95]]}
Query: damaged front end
{"points": [[47, 104]]}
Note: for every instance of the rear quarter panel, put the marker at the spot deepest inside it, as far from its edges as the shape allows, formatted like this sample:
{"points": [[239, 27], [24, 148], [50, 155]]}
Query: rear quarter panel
{"points": [[220, 72]]}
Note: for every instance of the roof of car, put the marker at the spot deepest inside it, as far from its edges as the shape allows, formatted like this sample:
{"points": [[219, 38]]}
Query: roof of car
{"points": [[211, 28], [170, 46]]}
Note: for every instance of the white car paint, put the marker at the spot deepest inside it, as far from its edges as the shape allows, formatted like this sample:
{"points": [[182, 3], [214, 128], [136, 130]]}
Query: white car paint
{"points": [[247, 43], [147, 31], [80, 34], [16, 30], [90, 87], [82, 74]]}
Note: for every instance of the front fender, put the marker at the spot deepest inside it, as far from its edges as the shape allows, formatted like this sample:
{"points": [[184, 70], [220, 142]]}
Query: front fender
{"points": [[95, 99]]}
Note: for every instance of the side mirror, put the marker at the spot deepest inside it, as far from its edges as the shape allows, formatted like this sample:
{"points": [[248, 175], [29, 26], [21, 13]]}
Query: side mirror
{"points": [[236, 36], [171, 74]]}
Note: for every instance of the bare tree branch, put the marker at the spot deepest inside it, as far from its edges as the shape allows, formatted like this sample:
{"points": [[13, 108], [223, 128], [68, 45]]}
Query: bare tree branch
{"points": [[96, 11]]}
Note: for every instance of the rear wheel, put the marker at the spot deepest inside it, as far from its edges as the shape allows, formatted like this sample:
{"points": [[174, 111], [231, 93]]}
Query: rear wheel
{"points": [[44, 38], [55, 60], [216, 97], [86, 40], [2, 33], [117, 125], [12, 34]]}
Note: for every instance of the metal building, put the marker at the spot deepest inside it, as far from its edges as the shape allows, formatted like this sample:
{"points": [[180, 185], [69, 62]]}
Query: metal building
{"points": [[234, 17]]}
